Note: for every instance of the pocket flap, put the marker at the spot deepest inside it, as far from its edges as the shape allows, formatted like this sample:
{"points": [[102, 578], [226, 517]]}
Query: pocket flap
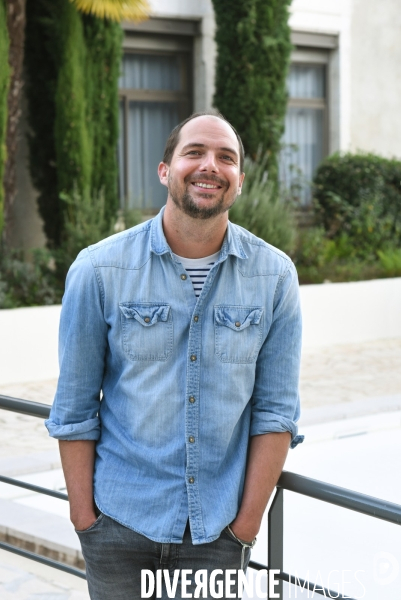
{"points": [[238, 318], [146, 313]]}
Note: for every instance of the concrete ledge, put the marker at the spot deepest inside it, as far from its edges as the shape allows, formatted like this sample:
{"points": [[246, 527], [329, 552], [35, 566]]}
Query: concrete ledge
{"points": [[335, 313], [35, 462], [41, 532]]}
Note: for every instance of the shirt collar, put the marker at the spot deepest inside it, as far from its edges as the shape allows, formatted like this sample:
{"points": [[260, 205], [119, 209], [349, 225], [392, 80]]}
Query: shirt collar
{"points": [[231, 245]]}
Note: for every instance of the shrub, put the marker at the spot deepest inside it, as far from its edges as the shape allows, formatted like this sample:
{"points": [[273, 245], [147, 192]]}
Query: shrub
{"points": [[261, 210], [390, 261], [360, 195], [40, 280], [28, 283]]}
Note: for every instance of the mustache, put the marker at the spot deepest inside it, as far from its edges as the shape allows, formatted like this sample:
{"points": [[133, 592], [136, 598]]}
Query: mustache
{"points": [[205, 179]]}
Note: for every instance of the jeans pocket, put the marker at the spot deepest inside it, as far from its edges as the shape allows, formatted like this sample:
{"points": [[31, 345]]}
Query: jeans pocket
{"points": [[91, 527]]}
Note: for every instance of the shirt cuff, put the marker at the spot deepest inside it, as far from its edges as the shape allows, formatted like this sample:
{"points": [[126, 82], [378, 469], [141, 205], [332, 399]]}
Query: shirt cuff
{"points": [[87, 430], [273, 423]]}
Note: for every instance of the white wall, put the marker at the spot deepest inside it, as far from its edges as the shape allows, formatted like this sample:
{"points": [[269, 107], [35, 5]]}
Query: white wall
{"points": [[28, 348], [204, 48], [350, 313], [335, 313], [376, 77]]}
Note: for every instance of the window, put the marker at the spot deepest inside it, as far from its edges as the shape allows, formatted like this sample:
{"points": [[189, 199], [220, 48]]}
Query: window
{"points": [[154, 97], [307, 122]]}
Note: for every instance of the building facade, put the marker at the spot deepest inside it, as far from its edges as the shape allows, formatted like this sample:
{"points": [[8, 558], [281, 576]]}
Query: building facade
{"points": [[344, 89]]}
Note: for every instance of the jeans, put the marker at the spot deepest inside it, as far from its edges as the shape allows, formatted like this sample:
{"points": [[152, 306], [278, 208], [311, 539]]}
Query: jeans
{"points": [[115, 557]]}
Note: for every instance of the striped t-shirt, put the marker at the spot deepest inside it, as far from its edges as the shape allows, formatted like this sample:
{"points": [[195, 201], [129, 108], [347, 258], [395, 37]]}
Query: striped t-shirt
{"points": [[198, 269]]}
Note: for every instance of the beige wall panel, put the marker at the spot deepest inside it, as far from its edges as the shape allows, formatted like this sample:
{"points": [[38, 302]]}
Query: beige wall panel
{"points": [[376, 77]]}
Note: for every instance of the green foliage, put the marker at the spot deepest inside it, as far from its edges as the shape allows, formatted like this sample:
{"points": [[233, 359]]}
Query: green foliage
{"points": [[4, 84], [72, 62], [360, 195], [28, 283], [86, 222], [104, 48], [261, 210], [253, 42], [72, 135], [43, 49], [390, 261], [41, 279]]}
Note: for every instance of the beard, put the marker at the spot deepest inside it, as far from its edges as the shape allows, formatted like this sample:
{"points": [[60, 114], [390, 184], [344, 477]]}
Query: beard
{"points": [[187, 204]]}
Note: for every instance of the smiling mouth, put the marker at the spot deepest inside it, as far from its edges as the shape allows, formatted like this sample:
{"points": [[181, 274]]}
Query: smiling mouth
{"points": [[206, 186]]}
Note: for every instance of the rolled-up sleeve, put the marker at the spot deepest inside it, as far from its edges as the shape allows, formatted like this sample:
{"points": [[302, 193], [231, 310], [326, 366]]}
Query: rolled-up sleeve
{"points": [[275, 399], [82, 351]]}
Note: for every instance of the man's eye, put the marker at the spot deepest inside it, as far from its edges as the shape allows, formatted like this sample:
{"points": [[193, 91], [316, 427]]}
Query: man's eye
{"points": [[196, 152], [226, 157]]}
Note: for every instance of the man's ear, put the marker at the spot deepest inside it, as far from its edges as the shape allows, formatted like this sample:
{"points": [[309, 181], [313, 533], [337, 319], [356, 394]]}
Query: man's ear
{"points": [[241, 181], [163, 170]]}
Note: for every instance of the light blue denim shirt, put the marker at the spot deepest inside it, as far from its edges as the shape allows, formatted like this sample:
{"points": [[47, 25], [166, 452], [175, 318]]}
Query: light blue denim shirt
{"points": [[171, 386]]}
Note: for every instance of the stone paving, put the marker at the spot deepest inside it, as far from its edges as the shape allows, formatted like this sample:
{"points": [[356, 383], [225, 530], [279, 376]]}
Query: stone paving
{"points": [[354, 379]]}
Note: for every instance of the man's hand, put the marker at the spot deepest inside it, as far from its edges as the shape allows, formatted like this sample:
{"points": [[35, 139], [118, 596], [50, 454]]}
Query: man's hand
{"points": [[267, 454], [78, 458]]}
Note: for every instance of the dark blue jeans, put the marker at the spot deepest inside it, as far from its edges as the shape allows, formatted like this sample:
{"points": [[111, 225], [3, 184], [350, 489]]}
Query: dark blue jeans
{"points": [[116, 559]]}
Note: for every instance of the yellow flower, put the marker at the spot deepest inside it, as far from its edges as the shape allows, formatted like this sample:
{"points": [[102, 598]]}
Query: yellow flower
{"points": [[115, 10]]}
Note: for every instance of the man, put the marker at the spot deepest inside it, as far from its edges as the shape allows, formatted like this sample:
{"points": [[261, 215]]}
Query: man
{"points": [[172, 469]]}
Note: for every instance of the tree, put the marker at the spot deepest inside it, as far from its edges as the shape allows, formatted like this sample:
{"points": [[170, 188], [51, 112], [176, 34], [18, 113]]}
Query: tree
{"points": [[253, 44], [63, 104]]}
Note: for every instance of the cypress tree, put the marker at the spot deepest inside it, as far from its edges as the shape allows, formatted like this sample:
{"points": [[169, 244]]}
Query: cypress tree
{"points": [[253, 43], [104, 49], [4, 84], [72, 132], [72, 63], [43, 50]]}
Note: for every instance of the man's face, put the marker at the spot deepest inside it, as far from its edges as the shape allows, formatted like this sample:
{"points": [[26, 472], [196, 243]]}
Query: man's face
{"points": [[204, 178]]}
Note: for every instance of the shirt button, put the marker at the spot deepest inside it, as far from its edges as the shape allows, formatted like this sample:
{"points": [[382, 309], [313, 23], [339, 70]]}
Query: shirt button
{"points": [[196, 318], [183, 277], [191, 480], [191, 439], [191, 399], [193, 357], [237, 324], [147, 320]]}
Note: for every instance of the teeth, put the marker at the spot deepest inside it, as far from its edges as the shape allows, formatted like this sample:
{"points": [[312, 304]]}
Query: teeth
{"points": [[207, 185]]}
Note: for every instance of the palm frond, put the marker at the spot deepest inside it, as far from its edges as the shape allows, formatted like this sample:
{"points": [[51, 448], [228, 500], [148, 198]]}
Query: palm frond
{"points": [[115, 10]]}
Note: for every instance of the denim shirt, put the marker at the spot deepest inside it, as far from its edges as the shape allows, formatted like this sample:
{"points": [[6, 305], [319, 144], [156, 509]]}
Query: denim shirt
{"points": [[170, 386]]}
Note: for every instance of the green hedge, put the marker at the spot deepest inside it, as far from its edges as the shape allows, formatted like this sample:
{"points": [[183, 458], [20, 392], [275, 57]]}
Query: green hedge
{"points": [[359, 195], [72, 64], [253, 45]]}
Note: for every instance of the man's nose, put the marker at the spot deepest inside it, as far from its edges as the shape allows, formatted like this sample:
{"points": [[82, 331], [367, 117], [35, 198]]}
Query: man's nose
{"points": [[209, 162]]}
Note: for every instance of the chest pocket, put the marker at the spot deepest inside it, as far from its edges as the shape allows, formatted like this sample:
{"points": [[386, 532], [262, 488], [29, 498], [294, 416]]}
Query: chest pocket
{"points": [[238, 333], [147, 329]]}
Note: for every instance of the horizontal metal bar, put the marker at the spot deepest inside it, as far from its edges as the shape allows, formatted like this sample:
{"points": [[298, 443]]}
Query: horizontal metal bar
{"points": [[256, 566], [25, 407], [42, 559], [34, 488], [361, 503]]}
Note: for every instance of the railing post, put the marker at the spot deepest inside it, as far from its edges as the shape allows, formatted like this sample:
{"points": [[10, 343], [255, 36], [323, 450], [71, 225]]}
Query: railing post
{"points": [[275, 544]]}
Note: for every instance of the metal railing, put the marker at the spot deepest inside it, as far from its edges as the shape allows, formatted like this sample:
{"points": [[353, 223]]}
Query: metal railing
{"points": [[344, 498]]}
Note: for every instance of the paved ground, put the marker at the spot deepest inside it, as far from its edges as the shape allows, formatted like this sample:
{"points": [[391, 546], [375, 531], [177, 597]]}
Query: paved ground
{"points": [[336, 382]]}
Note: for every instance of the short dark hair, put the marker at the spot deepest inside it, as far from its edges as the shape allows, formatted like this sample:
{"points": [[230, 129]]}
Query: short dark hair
{"points": [[174, 137]]}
